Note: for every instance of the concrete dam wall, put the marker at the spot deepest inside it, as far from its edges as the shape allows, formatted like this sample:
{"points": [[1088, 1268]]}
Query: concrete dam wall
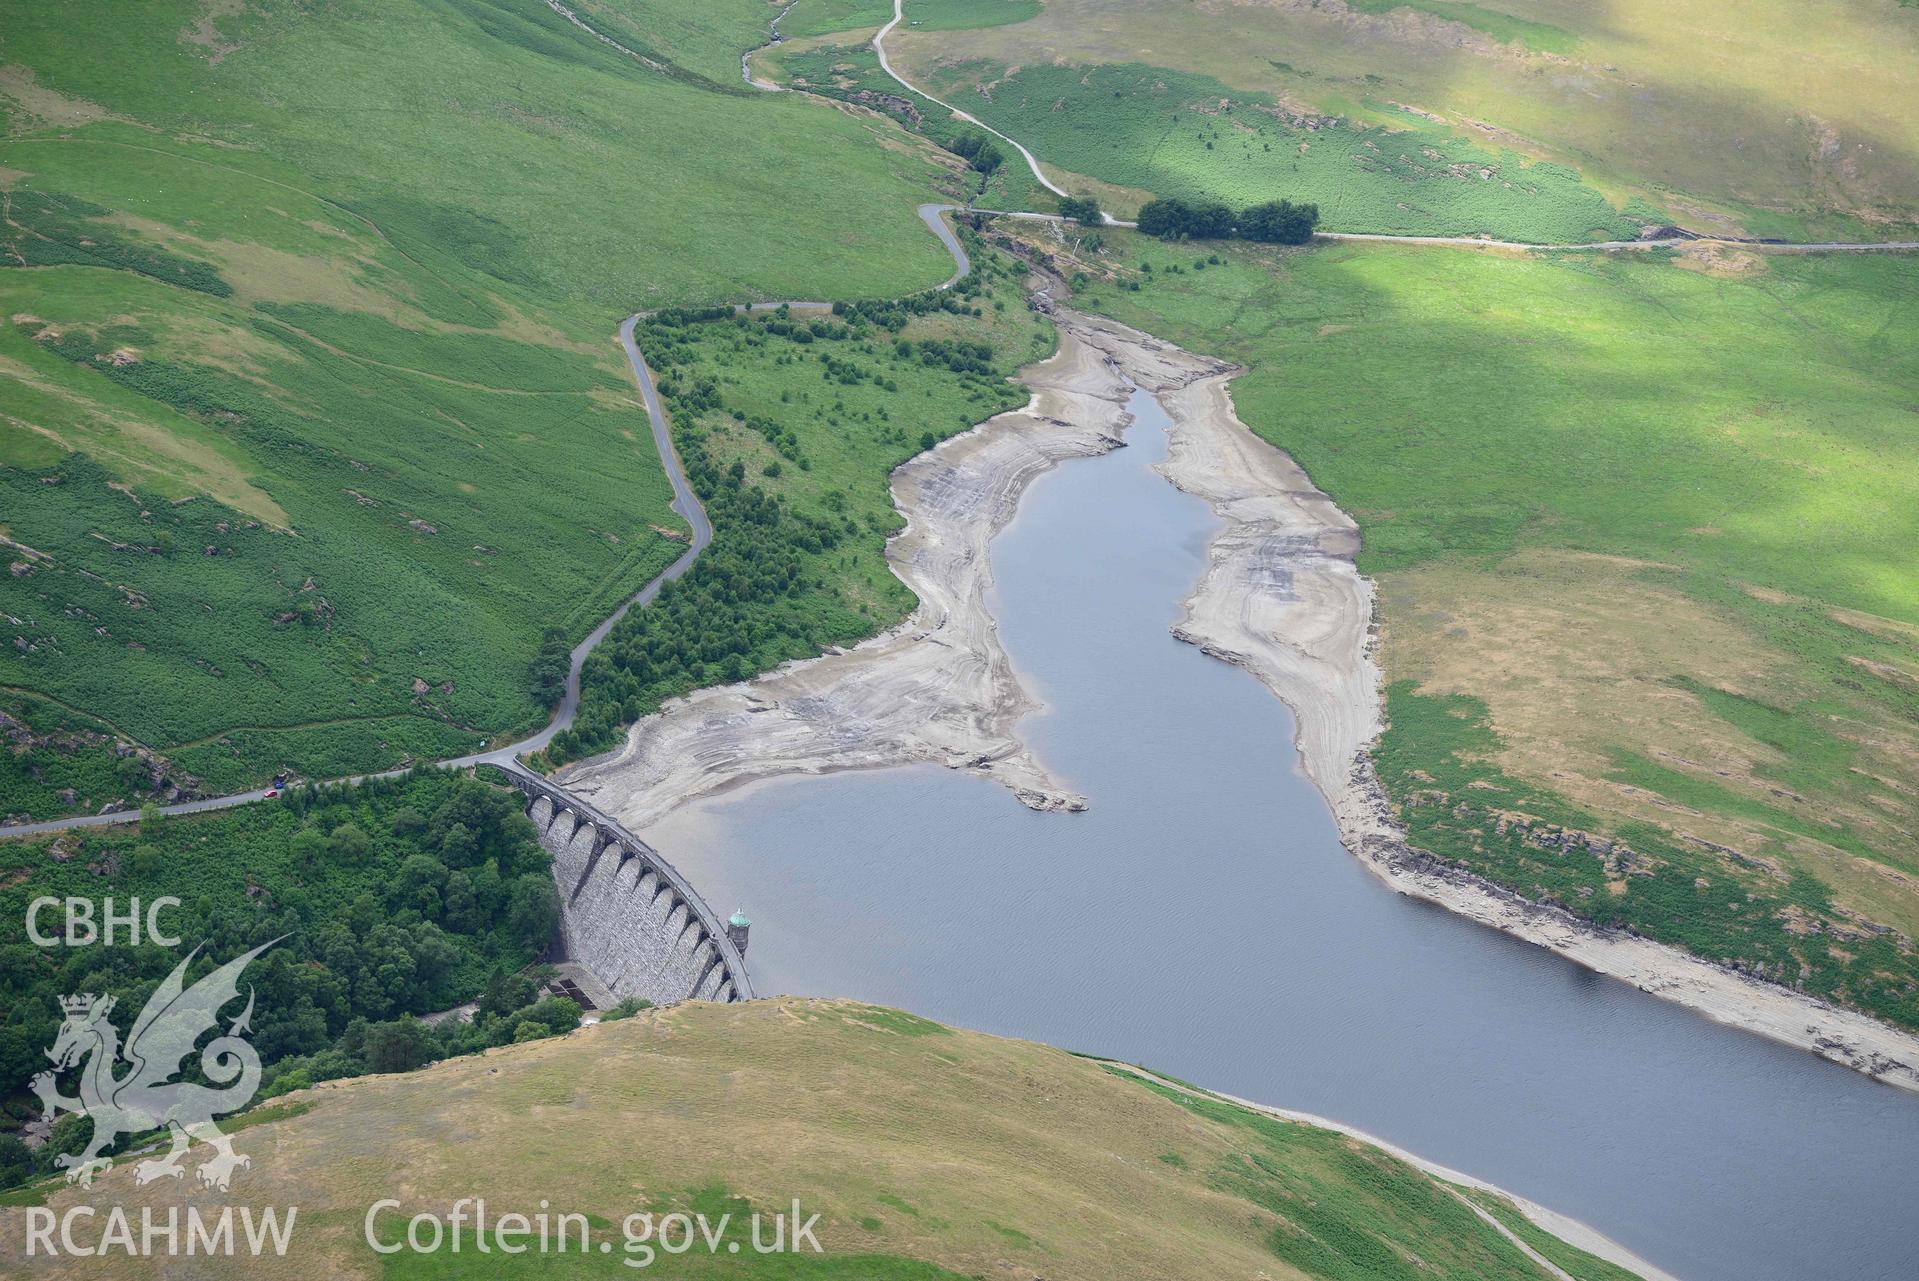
{"points": [[627, 914]]}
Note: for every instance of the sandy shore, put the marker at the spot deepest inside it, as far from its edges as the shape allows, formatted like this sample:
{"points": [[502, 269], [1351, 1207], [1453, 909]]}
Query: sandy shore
{"points": [[938, 688], [1282, 598]]}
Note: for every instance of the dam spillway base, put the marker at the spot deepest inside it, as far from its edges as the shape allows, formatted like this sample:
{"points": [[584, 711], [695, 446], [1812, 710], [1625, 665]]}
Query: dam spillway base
{"points": [[626, 913]]}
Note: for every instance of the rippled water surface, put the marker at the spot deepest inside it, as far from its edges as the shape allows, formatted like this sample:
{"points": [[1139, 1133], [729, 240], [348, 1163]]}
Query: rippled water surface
{"points": [[1202, 918]]}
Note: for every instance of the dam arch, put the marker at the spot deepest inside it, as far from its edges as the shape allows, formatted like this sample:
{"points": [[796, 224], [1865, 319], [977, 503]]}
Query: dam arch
{"points": [[627, 914]]}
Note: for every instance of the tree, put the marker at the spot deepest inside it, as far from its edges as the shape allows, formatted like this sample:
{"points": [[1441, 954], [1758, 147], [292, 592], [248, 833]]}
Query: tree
{"points": [[399, 1046], [349, 842], [1168, 219], [299, 1078], [459, 846], [506, 993], [462, 912], [1279, 222], [16, 1161], [626, 1009], [1081, 209], [71, 1134], [547, 676], [1210, 221], [1274, 222], [417, 885], [556, 1013], [975, 147], [309, 848], [533, 913]]}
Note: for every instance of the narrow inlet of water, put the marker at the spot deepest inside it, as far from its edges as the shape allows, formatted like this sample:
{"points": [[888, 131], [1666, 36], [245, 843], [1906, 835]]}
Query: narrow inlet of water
{"points": [[1203, 919]]}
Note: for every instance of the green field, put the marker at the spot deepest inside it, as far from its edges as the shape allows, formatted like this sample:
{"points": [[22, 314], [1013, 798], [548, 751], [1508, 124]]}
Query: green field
{"points": [[1177, 134], [823, 17], [1536, 37], [791, 427], [1642, 528], [702, 41], [313, 418], [1773, 117], [926, 1152], [966, 15]]}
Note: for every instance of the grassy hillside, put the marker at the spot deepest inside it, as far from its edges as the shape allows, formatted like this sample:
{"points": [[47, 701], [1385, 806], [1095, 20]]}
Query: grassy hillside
{"points": [[1642, 529], [1782, 118], [845, 67], [312, 418], [1151, 129], [823, 17], [927, 1152], [966, 15]]}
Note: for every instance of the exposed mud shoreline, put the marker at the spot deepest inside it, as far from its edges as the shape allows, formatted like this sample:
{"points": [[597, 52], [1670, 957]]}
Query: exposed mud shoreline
{"points": [[939, 687], [1282, 598]]}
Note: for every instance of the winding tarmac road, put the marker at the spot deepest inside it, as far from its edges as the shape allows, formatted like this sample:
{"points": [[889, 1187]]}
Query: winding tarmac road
{"points": [[879, 48], [687, 504]]}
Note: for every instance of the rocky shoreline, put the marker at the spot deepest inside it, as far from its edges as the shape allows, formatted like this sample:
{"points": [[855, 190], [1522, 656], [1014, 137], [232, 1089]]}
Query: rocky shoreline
{"points": [[1722, 994]]}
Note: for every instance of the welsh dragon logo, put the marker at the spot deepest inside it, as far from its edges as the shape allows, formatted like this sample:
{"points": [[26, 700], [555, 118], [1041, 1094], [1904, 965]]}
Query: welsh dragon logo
{"points": [[143, 1096]]}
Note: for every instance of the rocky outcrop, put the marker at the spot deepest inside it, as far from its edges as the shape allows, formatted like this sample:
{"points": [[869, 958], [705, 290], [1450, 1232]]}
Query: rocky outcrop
{"points": [[160, 780]]}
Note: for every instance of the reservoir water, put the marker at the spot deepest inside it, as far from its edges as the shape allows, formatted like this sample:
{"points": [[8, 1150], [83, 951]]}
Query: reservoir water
{"points": [[1202, 918]]}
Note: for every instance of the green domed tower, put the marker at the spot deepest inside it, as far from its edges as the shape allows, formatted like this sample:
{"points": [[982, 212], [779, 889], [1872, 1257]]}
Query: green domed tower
{"points": [[736, 928]]}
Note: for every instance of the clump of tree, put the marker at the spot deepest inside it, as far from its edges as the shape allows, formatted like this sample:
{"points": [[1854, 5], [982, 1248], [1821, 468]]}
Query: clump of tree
{"points": [[978, 150], [893, 313], [626, 1009], [1275, 222], [547, 678], [1176, 219], [1081, 209], [510, 1010], [389, 899], [1278, 222]]}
